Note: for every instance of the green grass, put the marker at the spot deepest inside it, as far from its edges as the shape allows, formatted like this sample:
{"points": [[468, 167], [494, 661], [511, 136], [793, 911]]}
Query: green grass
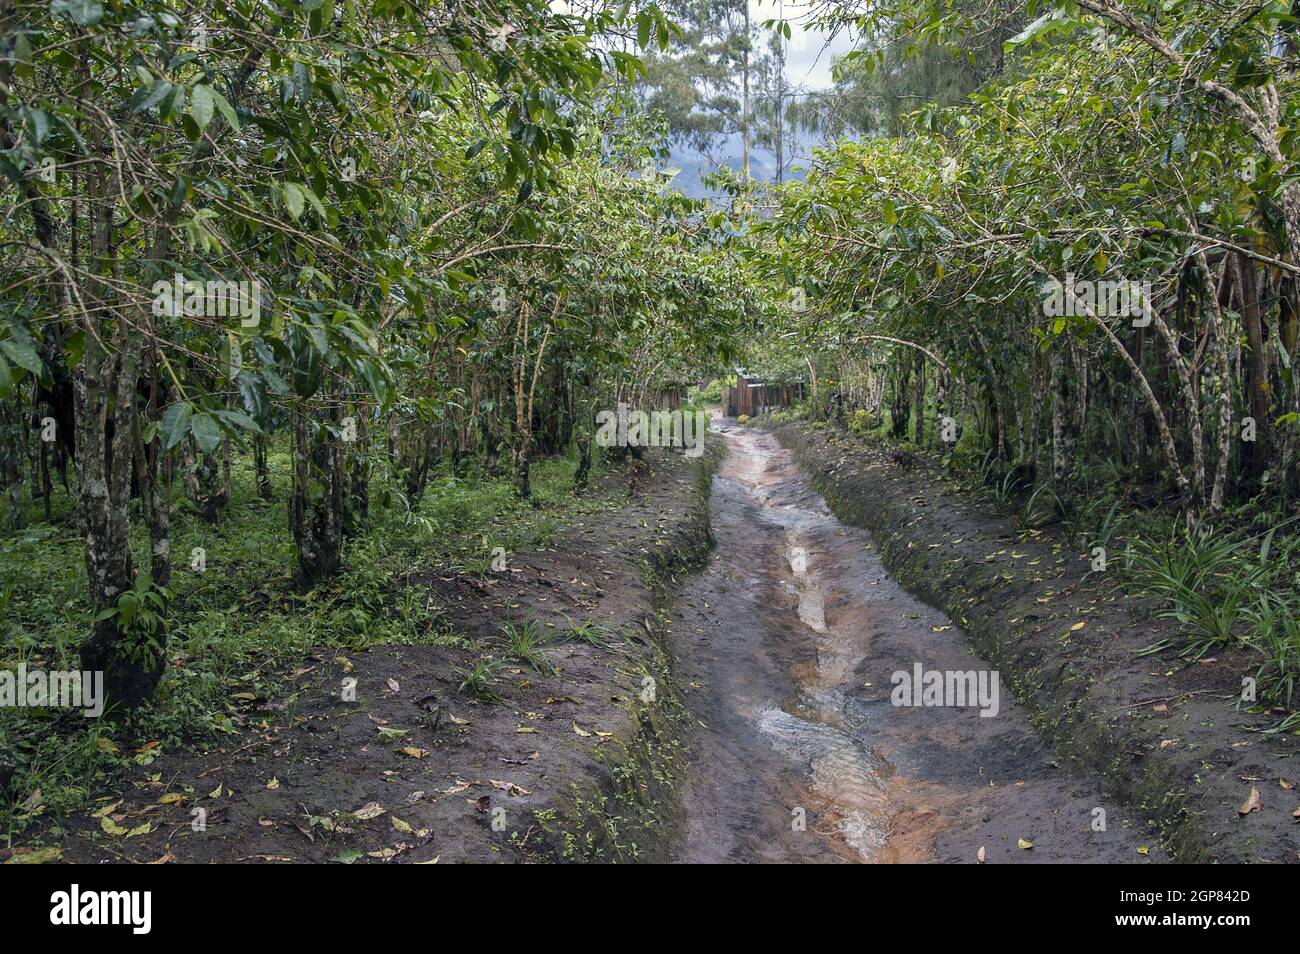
{"points": [[527, 643], [237, 625], [480, 680], [589, 632]]}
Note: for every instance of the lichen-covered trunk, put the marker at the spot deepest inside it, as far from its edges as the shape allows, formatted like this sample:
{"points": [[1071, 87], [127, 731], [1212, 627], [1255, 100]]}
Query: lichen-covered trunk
{"points": [[11, 459], [105, 389], [1064, 437], [1254, 454], [359, 472], [316, 504], [918, 398], [900, 405], [155, 468], [262, 471]]}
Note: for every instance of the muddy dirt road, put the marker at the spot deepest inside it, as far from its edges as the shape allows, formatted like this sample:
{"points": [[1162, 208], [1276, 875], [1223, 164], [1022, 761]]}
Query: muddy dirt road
{"points": [[787, 642]]}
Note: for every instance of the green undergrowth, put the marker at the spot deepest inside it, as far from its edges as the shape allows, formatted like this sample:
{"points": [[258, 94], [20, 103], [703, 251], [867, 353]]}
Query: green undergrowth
{"points": [[236, 626]]}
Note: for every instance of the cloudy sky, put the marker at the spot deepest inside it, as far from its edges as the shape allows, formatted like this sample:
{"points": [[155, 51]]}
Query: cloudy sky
{"points": [[810, 53]]}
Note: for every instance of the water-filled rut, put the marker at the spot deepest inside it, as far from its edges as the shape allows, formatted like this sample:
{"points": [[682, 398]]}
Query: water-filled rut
{"points": [[786, 644]]}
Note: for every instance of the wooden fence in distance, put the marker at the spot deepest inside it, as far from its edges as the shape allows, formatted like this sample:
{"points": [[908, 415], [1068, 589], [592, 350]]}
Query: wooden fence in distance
{"points": [[750, 397]]}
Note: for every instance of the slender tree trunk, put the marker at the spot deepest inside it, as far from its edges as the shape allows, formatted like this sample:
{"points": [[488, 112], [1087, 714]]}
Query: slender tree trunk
{"points": [[261, 468], [359, 472], [317, 502], [1255, 454], [918, 398], [1064, 437]]}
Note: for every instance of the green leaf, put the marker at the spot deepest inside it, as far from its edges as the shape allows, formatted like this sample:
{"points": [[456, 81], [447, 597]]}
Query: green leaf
{"points": [[226, 110], [202, 105], [23, 354], [293, 198], [315, 201], [147, 97], [253, 394], [81, 12], [207, 432], [175, 424]]}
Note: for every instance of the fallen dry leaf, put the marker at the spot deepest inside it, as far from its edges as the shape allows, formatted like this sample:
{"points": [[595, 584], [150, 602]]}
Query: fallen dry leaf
{"points": [[510, 787], [101, 812], [1251, 804], [368, 811]]}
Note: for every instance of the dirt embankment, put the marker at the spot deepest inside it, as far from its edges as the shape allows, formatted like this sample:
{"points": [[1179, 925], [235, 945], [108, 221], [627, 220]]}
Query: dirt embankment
{"points": [[574, 765], [1164, 734]]}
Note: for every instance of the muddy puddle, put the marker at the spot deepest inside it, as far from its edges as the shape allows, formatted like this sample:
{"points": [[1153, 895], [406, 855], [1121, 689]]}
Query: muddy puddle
{"points": [[787, 643]]}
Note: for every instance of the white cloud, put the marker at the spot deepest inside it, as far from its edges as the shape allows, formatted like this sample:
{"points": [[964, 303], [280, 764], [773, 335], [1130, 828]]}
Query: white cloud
{"points": [[811, 52]]}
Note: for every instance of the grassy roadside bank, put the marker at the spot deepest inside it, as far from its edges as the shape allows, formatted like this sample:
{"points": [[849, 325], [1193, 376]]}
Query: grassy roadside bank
{"points": [[508, 720], [1163, 732]]}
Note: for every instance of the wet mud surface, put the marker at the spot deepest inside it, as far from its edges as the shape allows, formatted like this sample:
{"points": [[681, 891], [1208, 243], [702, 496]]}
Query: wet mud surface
{"points": [[785, 645]]}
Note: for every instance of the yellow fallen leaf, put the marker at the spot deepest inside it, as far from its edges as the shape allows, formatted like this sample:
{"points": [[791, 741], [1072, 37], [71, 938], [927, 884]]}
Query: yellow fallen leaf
{"points": [[412, 751], [216, 792], [273, 784], [401, 826], [101, 812], [1023, 843], [1143, 850], [140, 830], [582, 732], [1077, 626], [979, 855], [111, 827], [35, 856], [171, 798], [368, 811]]}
